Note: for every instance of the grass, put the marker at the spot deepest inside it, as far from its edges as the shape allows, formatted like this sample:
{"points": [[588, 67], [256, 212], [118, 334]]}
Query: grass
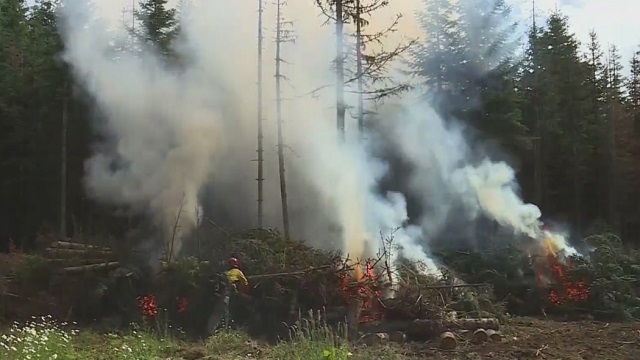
{"points": [[43, 338]]}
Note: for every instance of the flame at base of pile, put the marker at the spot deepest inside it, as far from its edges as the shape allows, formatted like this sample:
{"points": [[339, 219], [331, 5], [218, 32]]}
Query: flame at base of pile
{"points": [[364, 285], [551, 262]]}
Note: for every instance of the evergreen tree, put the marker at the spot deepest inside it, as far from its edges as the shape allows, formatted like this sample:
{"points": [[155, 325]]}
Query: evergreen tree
{"points": [[633, 85], [159, 27], [435, 58], [596, 87], [563, 106], [467, 66], [17, 145]]}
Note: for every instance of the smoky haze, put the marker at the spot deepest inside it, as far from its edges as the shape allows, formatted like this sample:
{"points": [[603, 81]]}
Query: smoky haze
{"points": [[190, 138]]}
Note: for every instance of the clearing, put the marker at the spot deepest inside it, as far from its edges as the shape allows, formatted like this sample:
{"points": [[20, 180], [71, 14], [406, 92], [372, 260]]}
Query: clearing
{"points": [[527, 338]]}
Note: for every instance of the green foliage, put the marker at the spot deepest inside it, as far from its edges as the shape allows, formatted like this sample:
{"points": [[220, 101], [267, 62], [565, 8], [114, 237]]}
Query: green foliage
{"points": [[159, 28], [37, 272], [185, 274], [612, 272], [314, 339], [38, 339], [267, 251], [466, 64], [45, 339]]}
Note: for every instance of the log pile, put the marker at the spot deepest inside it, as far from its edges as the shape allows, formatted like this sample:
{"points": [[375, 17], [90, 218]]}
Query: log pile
{"points": [[73, 257]]}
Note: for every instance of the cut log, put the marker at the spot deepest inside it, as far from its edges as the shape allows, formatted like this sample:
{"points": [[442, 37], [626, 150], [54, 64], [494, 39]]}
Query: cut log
{"points": [[494, 335], [448, 341], [374, 339], [479, 336], [432, 327], [423, 328], [62, 253], [474, 324], [75, 245], [397, 337], [108, 265], [70, 262]]}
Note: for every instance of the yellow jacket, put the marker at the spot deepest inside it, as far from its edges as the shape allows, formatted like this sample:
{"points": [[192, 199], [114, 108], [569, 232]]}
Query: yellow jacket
{"points": [[236, 275]]}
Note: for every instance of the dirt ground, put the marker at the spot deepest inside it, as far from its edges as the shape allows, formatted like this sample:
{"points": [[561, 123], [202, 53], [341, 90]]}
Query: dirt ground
{"points": [[528, 338]]}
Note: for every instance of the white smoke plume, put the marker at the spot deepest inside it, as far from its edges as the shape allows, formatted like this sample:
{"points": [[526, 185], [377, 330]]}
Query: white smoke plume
{"points": [[189, 138], [491, 188]]}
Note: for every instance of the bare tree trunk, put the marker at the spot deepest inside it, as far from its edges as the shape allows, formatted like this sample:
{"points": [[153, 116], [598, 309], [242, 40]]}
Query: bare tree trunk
{"points": [[359, 68], [198, 216], [260, 134], [63, 162], [340, 108], [577, 176], [283, 184], [611, 138], [613, 219], [538, 161], [538, 145]]}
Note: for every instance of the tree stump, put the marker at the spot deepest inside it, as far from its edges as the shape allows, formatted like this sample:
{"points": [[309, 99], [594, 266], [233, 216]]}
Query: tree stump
{"points": [[448, 341], [479, 336], [494, 335]]}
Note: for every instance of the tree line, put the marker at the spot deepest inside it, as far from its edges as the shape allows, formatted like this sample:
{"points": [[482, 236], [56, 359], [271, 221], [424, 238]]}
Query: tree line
{"points": [[569, 118]]}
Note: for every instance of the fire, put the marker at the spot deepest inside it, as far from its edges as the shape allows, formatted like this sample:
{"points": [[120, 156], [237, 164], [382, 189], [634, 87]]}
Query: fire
{"points": [[148, 306], [364, 288], [183, 302], [551, 273], [357, 272], [551, 246]]}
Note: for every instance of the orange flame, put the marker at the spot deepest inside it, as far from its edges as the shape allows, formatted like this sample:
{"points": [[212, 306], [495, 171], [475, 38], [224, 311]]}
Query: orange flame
{"points": [[551, 247], [364, 288], [147, 304], [551, 273], [183, 302], [357, 272]]}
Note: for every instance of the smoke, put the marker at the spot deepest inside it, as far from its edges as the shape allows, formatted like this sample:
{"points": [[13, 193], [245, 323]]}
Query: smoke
{"points": [[491, 188], [178, 142]]}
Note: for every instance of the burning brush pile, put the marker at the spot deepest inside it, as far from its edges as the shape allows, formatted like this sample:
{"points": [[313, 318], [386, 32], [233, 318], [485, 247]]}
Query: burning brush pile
{"points": [[553, 270], [546, 276], [288, 278]]}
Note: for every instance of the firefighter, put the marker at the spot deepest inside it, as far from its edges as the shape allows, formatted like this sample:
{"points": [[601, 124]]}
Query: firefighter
{"points": [[228, 281], [235, 277]]}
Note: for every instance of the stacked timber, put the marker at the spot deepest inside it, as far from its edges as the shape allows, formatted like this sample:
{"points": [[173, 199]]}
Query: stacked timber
{"points": [[74, 257]]}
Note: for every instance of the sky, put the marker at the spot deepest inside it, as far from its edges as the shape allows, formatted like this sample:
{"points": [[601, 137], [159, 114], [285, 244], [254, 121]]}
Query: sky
{"points": [[615, 21]]}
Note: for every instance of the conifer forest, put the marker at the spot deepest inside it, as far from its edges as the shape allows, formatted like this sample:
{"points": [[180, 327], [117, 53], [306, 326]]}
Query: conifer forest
{"points": [[458, 177]]}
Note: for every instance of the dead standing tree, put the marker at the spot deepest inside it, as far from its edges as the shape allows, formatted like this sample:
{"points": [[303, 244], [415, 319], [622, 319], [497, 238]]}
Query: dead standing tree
{"points": [[333, 9], [372, 66], [283, 35], [63, 160], [260, 150]]}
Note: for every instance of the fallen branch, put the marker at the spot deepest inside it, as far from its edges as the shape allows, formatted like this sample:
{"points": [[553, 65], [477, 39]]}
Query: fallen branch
{"points": [[108, 265], [291, 273], [221, 229], [436, 287]]}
